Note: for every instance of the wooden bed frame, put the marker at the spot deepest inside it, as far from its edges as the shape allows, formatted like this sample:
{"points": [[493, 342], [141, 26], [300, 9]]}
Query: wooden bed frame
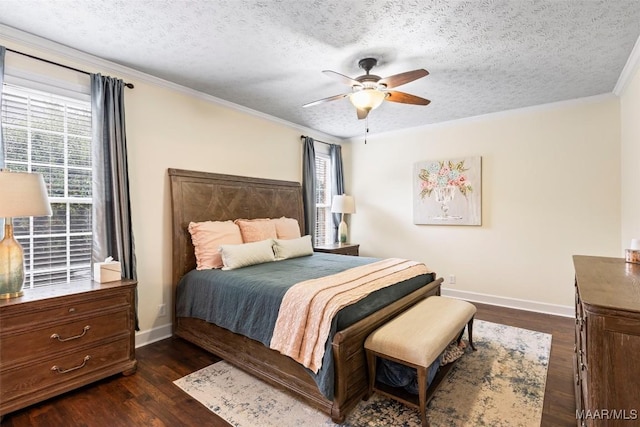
{"points": [[201, 196]]}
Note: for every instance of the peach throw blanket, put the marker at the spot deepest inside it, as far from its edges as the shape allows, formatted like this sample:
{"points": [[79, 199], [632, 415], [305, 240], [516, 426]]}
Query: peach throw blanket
{"points": [[308, 307]]}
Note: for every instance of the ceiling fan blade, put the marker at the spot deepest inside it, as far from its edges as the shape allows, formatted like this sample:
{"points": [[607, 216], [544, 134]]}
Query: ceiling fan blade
{"points": [[344, 79], [403, 78], [323, 100], [362, 113], [405, 98]]}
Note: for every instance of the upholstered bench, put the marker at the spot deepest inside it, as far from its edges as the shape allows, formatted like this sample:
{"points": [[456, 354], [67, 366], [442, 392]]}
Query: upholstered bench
{"points": [[416, 338]]}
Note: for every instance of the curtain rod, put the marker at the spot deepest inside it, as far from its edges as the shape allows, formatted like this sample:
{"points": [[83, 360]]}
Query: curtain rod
{"points": [[129, 85], [316, 140]]}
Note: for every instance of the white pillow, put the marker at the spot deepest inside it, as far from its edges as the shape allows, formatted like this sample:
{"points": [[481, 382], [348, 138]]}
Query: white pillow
{"points": [[237, 256], [292, 248]]}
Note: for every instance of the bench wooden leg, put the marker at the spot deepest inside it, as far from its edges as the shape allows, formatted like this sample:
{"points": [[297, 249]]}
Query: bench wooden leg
{"points": [[422, 395], [371, 364], [470, 331]]}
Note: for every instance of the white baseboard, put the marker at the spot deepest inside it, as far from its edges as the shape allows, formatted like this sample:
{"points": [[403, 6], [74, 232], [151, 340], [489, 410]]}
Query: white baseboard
{"points": [[520, 304], [154, 334]]}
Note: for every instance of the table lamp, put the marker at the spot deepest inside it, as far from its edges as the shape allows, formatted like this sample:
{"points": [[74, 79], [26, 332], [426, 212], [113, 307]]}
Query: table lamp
{"points": [[21, 194], [343, 204]]}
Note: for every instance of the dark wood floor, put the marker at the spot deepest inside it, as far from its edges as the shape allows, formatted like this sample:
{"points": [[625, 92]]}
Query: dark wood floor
{"points": [[149, 397]]}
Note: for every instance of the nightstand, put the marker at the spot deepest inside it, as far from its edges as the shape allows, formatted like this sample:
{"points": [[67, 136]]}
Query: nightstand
{"points": [[339, 248], [58, 338]]}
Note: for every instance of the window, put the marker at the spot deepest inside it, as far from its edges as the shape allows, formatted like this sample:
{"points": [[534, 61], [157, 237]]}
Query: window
{"points": [[51, 135], [324, 221]]}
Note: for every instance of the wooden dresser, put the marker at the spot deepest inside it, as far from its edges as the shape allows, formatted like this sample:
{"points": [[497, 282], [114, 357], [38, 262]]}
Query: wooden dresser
{"points": [[58, 338], [607, 351]]}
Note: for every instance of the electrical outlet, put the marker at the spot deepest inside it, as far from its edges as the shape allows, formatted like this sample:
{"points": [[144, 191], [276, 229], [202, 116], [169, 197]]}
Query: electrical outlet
{"points": [[452, 279], [162, 310]]}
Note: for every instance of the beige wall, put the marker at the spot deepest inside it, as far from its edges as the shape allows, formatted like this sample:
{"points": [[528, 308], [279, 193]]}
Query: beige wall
{"points": [[630, 137], [166, 129], [551, 189], [170, 129]]}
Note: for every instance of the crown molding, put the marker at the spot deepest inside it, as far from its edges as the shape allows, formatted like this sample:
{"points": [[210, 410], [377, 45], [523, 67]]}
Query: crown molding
{"points": [[492, 116], [629, 70], [44, 46]]}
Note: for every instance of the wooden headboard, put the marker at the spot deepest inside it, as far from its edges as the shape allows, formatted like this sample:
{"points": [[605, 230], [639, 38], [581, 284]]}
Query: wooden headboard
{"points": [[202, 196]]}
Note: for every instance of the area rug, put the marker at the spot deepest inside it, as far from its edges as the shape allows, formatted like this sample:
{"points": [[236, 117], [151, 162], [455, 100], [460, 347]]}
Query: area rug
{"points": [[501, 384]]}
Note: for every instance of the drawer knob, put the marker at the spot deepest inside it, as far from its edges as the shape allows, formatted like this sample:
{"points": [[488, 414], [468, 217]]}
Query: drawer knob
{"points": [[84, 331], [64, 371], [72, 310]]}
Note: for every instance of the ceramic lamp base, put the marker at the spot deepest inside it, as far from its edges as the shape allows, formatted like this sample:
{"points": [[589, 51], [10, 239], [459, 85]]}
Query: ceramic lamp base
{"points": [[342, 232], [11, 265]]}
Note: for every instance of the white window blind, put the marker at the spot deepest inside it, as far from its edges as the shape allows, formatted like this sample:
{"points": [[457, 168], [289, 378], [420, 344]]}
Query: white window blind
{"points": [[323, 200], [51, 135]]}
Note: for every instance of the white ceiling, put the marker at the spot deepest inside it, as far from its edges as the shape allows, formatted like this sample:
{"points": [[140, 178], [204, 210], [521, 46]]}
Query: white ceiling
{"points": [[268, 55]]}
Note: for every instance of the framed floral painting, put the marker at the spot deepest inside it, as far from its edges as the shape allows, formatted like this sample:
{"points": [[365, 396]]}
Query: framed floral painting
{"points": [[448, 192]]}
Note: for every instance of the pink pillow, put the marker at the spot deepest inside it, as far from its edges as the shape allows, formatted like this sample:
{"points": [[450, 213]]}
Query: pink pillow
{"points": [[208, 236], [287, 228], [255, 230]]}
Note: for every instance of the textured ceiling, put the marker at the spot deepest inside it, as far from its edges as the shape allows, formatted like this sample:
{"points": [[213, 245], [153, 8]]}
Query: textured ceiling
{"points": [[483, 56]]}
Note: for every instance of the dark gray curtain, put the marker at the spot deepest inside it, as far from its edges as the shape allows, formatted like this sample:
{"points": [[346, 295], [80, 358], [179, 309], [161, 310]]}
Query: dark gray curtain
{"points": [[309, 187], [337, 183], [112, 227], [2, 52]]}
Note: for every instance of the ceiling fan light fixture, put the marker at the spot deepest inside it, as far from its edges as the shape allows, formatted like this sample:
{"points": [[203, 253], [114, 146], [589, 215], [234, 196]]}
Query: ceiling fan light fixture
{"points": [[367, 99], [369, 91]]}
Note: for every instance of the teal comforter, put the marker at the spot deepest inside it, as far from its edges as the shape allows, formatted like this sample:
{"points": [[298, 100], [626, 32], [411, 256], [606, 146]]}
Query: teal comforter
{"points": [[247, 300]]}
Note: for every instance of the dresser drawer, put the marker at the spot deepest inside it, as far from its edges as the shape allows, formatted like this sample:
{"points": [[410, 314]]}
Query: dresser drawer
{"points": [[60, 309], [59, 337], [583, 339], [58, 370]]}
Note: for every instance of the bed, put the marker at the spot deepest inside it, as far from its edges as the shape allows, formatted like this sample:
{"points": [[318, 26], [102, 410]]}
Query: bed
{"points": [[200, 196]]}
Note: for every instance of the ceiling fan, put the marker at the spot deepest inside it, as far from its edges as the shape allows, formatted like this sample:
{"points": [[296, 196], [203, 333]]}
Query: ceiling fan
{"points": [[369, 90]]}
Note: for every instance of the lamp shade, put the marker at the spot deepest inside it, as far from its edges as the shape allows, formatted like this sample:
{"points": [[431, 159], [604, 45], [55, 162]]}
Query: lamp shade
{"points": [[23, 194], [367, 99], [343, 204]]}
